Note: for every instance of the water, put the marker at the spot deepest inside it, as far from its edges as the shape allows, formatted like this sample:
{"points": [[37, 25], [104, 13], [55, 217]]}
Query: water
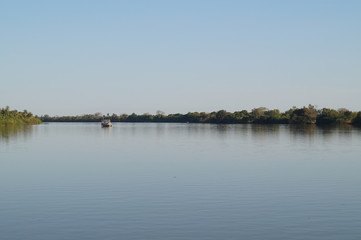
{"points": [[179, 181]]}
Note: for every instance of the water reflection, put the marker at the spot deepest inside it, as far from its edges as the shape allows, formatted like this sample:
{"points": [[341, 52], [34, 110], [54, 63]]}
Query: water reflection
{"points": [[260, 130], [13, 132], [186, 181], [302, 130], [162, 130]]}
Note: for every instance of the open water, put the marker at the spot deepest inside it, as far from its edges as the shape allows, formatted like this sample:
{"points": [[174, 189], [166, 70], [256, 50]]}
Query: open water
{"points": [[179, 181]]}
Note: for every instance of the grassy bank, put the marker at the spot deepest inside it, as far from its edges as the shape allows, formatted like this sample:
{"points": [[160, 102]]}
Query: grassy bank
{"points": [[14, 117]]}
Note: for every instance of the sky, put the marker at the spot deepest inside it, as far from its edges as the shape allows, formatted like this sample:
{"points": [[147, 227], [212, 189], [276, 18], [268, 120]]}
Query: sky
{"points": [[78, 57]]}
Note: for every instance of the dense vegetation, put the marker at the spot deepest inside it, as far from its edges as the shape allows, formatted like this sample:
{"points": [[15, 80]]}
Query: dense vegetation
{"points": [[305, 115], [10, 117], [357, 119]]}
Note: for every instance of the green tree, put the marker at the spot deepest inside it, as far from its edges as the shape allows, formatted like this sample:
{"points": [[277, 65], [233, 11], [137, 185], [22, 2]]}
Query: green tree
{"points": [[258, 112], [357, 119], [328, 116], [221, 116], [305, 115]]}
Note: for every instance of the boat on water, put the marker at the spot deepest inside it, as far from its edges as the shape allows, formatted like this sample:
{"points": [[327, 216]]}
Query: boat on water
{"points": [[106, 123]]}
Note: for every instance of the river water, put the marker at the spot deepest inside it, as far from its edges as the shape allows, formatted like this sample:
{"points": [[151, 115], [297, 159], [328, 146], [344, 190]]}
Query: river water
{"points": [[179, 181]]}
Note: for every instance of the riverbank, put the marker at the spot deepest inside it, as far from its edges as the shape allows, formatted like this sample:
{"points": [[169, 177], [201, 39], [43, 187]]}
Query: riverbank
{"points": [[305, 115], [14, 117]]}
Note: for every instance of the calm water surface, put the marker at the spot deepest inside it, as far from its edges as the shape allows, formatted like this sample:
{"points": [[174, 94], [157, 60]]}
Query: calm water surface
{"points": [[179, 181]]}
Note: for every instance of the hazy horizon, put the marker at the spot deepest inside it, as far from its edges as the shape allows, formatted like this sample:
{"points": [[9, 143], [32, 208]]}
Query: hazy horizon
{"points": [[73, 58]]}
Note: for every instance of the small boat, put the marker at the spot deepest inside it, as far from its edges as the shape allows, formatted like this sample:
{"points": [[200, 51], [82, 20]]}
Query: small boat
{"points": [[106, 123]]}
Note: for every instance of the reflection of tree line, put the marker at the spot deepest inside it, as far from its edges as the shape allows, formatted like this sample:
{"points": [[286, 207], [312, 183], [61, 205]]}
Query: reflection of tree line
{"points": [[305, 115], [259, 131], [273, 131], [308, 130], [14, 131], [256, 130]]}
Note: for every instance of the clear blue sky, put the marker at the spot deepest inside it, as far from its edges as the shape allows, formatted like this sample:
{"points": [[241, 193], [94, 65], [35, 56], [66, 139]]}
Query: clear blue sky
{"points": [[76, 57]]}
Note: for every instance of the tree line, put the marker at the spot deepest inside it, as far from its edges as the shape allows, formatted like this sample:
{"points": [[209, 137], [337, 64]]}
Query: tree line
{"points": [[261, 115], [12, 117]]}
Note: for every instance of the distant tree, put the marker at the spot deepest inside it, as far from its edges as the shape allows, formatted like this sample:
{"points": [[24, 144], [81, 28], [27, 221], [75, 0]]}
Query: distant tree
{"points": [[305, 115], [160, 113], [275, 114], [192, 117], [328, 116], [342, 110], [357, 119], [331, 116], [346, 115], [221, 116], [258, 112], [241, 116], [132, 117]]}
